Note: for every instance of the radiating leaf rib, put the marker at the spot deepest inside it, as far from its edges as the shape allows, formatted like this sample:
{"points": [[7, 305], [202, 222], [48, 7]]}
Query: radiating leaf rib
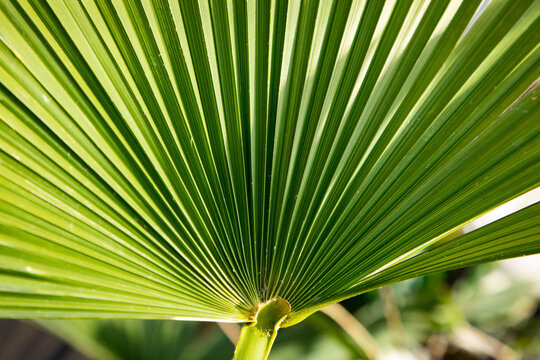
{"points": [[512, 236]]}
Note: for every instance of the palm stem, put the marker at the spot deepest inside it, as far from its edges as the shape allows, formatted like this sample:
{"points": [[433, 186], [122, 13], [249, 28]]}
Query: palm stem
{"points": [[256, 338]]}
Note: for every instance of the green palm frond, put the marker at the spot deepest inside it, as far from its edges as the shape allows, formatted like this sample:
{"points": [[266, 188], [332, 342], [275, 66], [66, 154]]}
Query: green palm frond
{"points": [[192, 160]]}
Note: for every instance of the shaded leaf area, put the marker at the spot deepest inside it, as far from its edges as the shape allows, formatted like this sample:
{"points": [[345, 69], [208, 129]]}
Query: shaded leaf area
{"points": [[192, 159], [142, 339]]}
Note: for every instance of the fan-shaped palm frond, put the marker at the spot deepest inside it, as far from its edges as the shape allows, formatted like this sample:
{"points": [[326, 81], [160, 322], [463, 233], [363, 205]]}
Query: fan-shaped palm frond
{"points": [[192, 160]]}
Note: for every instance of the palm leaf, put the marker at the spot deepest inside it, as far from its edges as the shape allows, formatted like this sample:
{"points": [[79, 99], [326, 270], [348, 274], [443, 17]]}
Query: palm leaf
{"points": [[192, 160]]}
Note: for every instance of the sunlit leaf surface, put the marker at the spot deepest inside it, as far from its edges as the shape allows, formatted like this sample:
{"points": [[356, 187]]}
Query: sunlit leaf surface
{"points": [[183, 159]]}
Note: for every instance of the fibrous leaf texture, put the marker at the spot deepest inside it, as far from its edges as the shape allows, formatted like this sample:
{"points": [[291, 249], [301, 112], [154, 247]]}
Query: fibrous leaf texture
{"points": [[193, 159]]}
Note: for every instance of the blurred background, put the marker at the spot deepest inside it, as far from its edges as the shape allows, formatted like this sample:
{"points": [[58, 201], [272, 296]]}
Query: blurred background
{"points": [[491, 311]]}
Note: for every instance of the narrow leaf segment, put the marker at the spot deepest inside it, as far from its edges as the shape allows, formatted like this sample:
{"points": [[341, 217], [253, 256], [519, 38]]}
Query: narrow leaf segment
{"points": [[256, 338]]}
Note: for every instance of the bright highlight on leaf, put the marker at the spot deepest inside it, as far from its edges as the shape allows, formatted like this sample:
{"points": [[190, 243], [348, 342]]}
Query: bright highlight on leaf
{"points": [[192, 160]]}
